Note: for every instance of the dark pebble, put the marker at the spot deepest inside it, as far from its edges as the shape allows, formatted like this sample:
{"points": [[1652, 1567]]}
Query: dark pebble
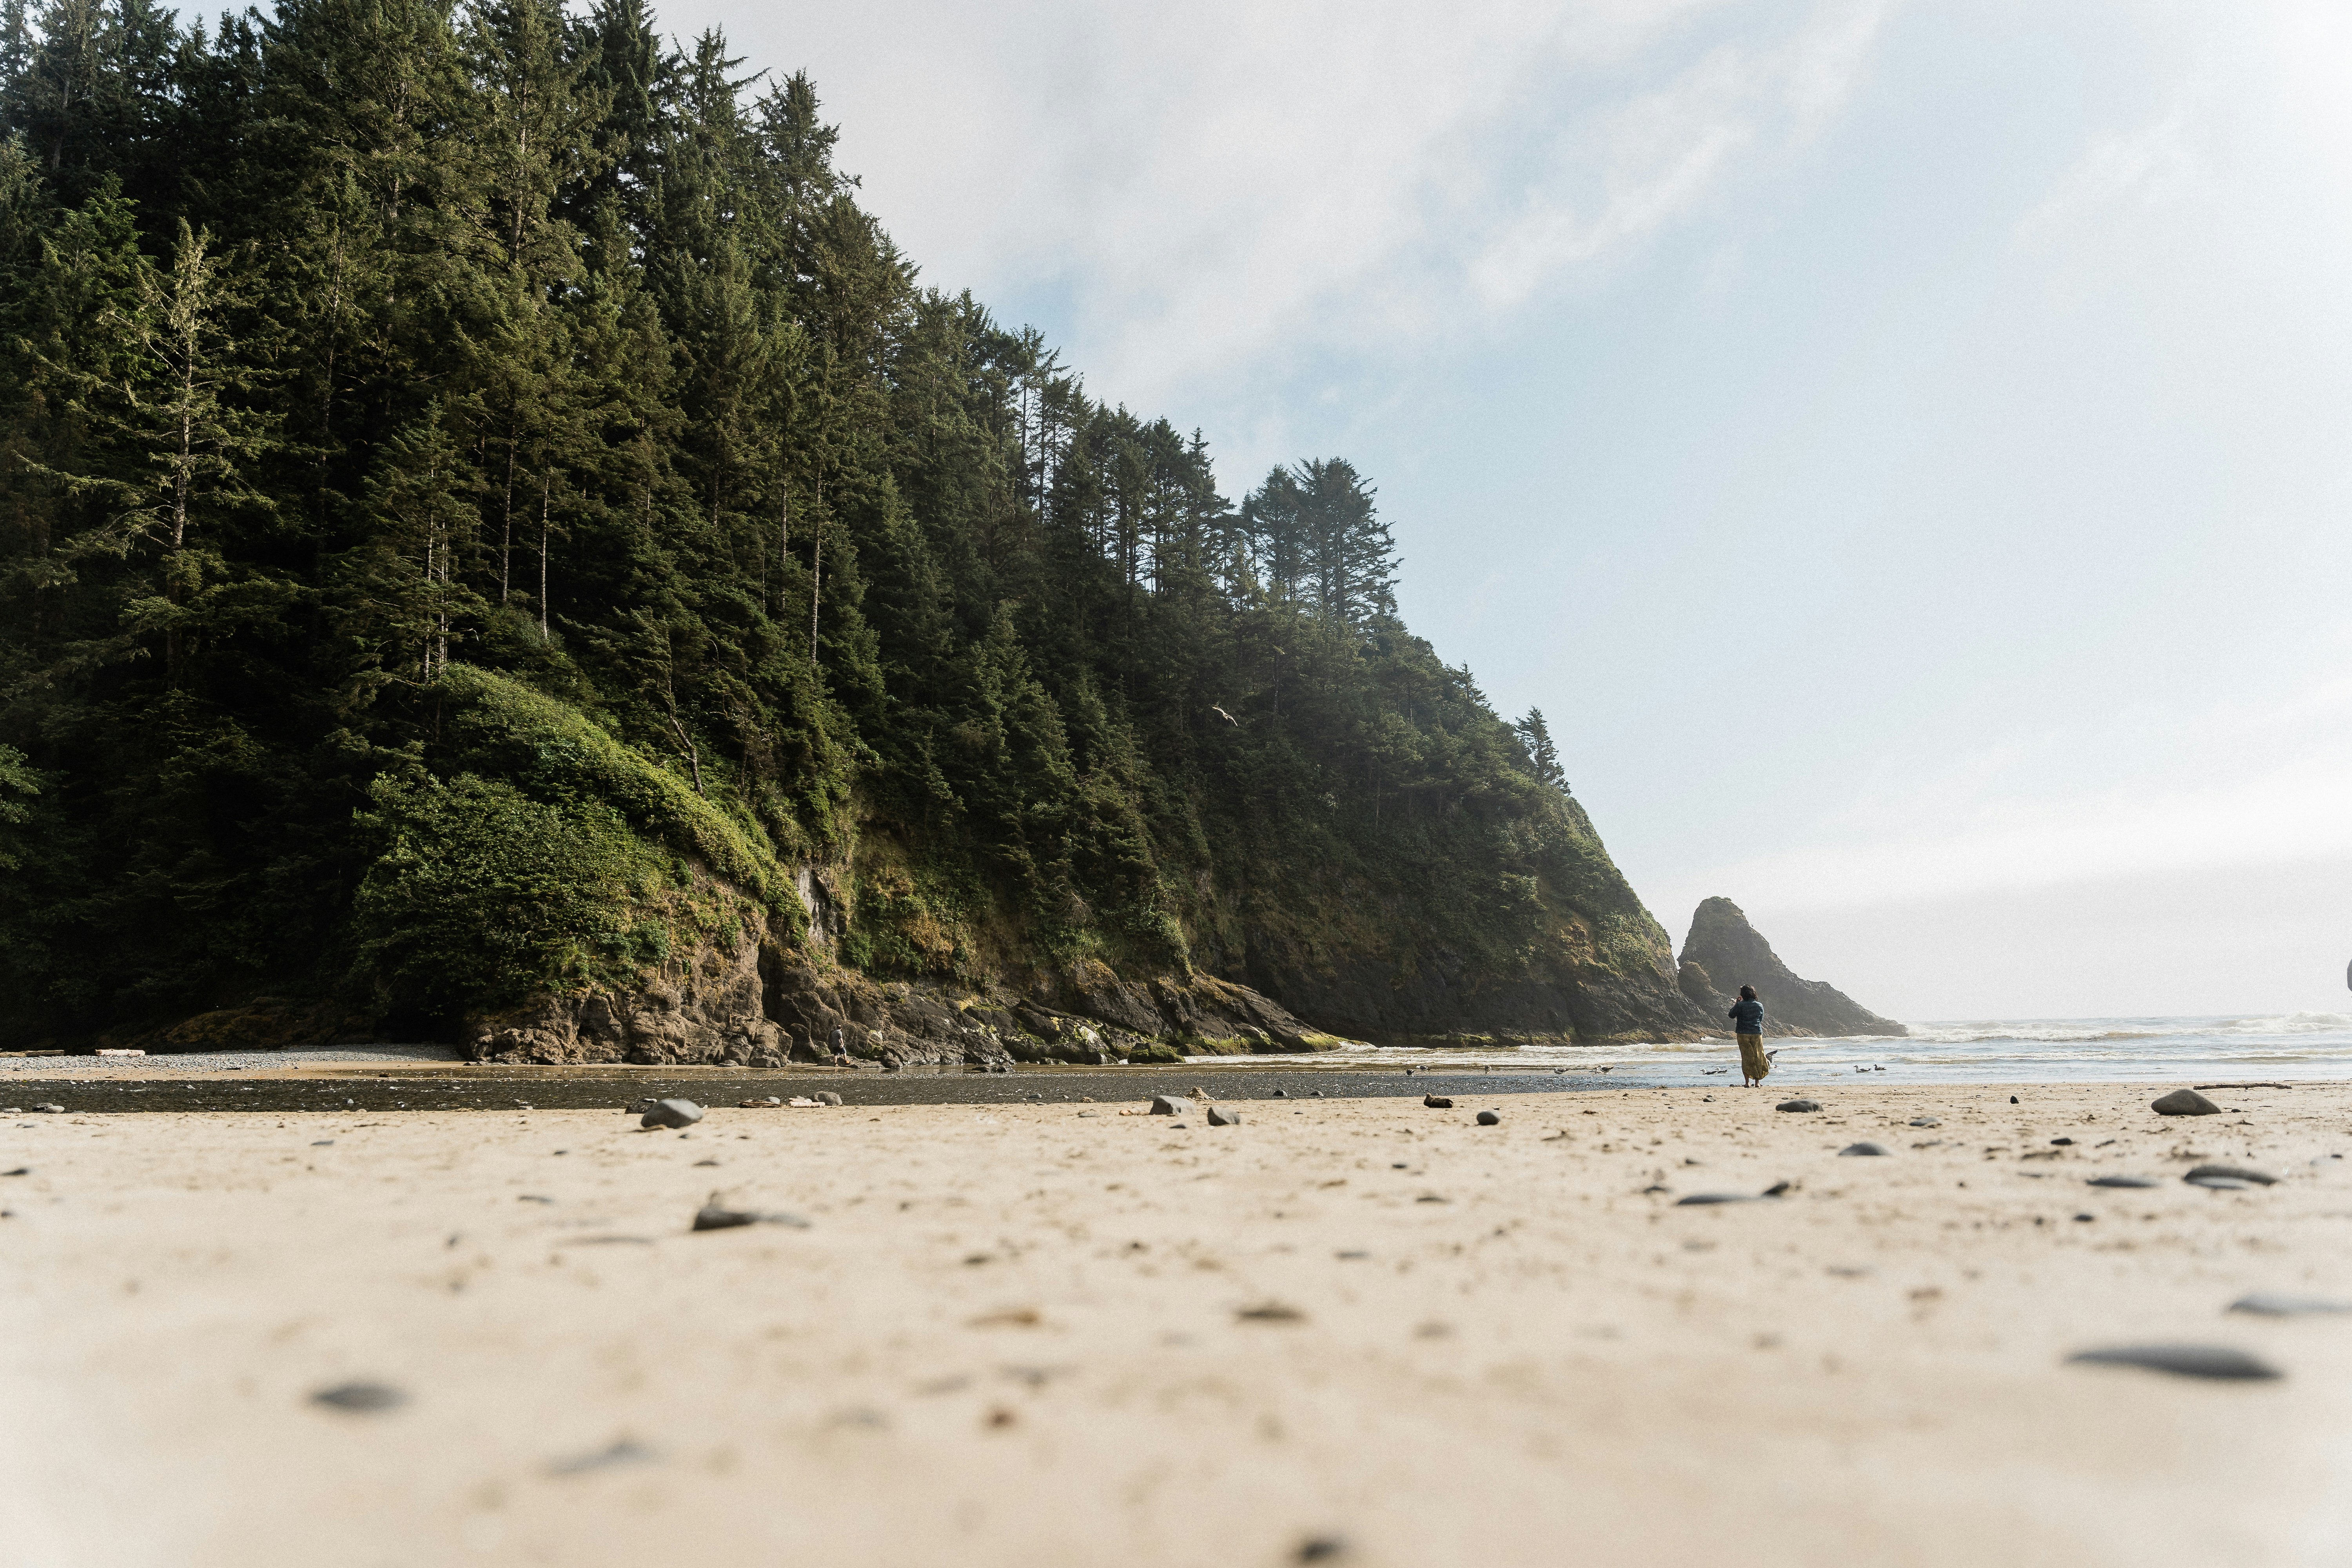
{"points": [[1925, 1121], [1697, 1198], [1320, 1549], [2203, 1173], [2222, 1184], [1797, 1105], [2182, 1361], [19, 1171], [1862, 1148], [1437, 1102], [363, 1397], [2060, 1142], [1220, 1117], [2123, 1181], [2271, 1304], [1777, 1189], [1490, 1119], [716, 1216], [2184, 1103], [671, 1113], [1282, 1094], [2091, 1219]]}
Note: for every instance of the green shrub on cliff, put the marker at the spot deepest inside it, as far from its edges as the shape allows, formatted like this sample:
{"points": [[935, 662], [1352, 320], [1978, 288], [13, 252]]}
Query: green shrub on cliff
{"points": [[481, 896]]}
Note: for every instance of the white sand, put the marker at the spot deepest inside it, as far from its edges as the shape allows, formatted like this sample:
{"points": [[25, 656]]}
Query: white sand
{"points": [[1011, 1336]]}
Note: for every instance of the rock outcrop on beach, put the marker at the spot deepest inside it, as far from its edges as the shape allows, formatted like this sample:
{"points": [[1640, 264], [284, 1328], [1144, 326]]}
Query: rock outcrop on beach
{"points": [[752, 1002], [1723, 953]]}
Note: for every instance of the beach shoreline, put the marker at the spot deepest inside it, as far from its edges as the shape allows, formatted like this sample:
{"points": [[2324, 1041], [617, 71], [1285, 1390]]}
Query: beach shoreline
{"points": [[1050, 1332]]}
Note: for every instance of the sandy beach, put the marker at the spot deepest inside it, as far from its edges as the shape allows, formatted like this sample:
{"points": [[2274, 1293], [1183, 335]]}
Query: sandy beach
{"points": [[1359, 1331]]}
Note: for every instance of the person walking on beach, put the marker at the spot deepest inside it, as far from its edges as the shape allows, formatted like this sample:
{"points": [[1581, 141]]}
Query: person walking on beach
{"points": [[1748, 1018]]}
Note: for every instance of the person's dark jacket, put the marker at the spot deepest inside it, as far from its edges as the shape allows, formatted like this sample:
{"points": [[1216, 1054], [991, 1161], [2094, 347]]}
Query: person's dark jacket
{"points": [[1747, 1015]]}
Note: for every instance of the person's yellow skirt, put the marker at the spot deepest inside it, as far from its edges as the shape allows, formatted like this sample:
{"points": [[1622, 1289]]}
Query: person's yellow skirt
{"points": [[1753, 1062]]}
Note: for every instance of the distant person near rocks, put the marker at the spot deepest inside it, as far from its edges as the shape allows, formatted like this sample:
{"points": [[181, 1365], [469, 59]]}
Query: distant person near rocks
{"points": [[1748, 1018]]}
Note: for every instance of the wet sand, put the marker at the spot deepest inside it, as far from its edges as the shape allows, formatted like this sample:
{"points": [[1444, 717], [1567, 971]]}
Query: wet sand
{"points": [[1055, 1334]]}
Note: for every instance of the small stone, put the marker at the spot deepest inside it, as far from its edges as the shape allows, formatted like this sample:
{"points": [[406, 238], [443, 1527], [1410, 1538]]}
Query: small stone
{"points": [[1271, 1312], [671, 1113], [363, 1398], [1778, 1189], [2182, 1361], [2272, 1304], [1862, 1148], [827, 1096], [2012, 1100], [2060, 1143], [19, 1171], [1797, 1105], [51, 1109], [2202, 1174], [716, 1216], [1698, 1198], [2222, 1184], [1320, 1549], [1925, 1121], [2123, 1181], [1168, 1105], [323, 1142], [1282, 1094], [620, 1452], [1437, 1102], [2087, 1217], [2184, 1103], [1220, 1117], [1490, 1119]]}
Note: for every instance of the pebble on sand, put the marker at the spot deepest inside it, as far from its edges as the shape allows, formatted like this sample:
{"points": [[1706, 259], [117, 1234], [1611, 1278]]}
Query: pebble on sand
{"points": [[51, 1109], [1437, 1102], [827, 1096], [1865, 1147], [2272, 1304], [619, 1452], [1925, 1121], [1797, 1105], [716, 1216], [2205, 1175], [2182, 1361], [1168, 1105], [2184, 1103], [1220, 1117], [1490, 1119], [671, 1113], [364, 1398], [1697, 1198], [2123, 1181]]}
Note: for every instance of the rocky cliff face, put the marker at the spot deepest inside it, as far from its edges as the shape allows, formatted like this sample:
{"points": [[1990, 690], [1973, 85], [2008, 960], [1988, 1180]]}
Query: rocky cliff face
{"points": [[755, 1004], [1723, 953]]}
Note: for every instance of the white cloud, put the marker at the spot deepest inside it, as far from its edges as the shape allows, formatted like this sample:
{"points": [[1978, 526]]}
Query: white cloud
{"points": [[1224, 184]]}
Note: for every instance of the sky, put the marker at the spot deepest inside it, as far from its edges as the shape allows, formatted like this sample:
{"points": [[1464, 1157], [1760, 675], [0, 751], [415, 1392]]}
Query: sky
{"points": [[1902, 448]]}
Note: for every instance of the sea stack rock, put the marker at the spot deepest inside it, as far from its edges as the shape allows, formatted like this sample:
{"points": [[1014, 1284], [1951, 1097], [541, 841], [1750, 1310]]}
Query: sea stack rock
{"points": [[1723, 953]]}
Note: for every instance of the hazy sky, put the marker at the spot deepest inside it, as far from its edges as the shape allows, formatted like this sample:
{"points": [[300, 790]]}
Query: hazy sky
{"points": [[1902, 448]]}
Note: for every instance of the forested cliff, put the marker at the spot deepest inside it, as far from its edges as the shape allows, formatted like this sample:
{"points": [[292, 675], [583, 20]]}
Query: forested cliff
{"points": [[496, 543]]}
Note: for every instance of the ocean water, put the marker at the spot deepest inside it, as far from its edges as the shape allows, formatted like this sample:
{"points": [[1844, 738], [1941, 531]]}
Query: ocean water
{"points": [[2285, 1049]]}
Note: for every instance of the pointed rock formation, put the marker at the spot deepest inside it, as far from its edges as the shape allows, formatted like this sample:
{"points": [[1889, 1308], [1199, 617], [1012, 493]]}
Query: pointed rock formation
{"points": [[1723, 953]]}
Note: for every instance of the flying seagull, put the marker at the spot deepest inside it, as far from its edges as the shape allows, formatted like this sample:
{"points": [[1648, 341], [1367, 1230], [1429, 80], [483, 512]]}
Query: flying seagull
{"points": [[1222, 714]]}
